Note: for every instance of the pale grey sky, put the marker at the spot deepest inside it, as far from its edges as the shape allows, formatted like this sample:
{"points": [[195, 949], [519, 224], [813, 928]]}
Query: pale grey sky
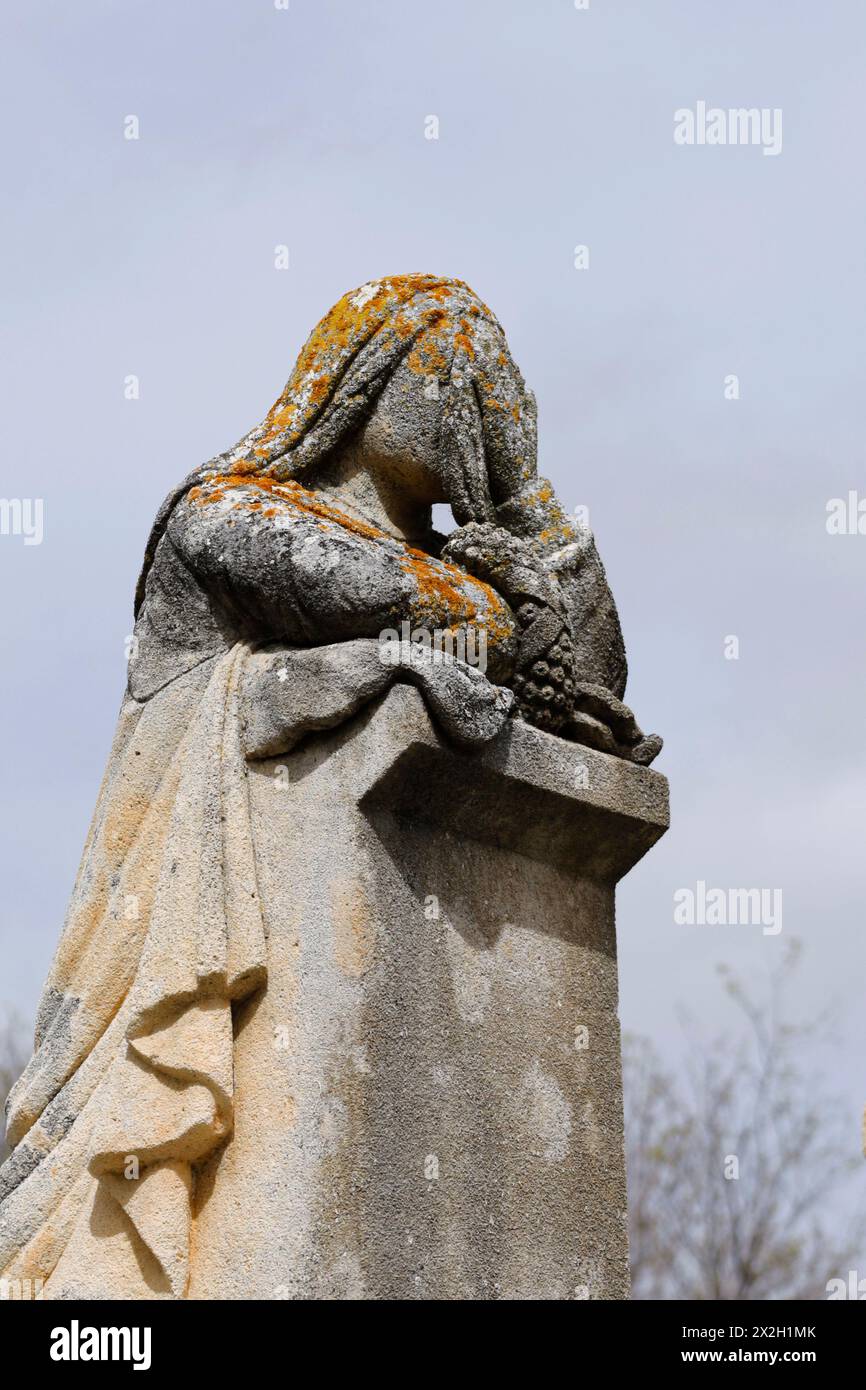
{"points": [[260, 127]]}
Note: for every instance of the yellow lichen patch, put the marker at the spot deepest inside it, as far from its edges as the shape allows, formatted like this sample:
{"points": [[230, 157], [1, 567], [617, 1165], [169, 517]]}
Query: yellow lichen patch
{"points": [[444, 594], [284, 415], [441, 588], [400, 306], [462, 340], [290, 494], [432, 352], [554, 537]]}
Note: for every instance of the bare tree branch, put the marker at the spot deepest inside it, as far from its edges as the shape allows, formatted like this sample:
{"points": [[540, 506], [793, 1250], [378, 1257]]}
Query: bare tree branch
{"points": [[739, 1170]]}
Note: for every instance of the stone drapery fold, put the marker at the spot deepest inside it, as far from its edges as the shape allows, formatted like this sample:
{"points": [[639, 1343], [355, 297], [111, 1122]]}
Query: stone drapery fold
{"points": [[130, 1089], [131, 1081]]}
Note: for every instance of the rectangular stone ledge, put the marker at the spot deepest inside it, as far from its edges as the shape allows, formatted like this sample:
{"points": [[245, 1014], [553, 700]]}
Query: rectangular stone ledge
{"points": [[528, 792]]}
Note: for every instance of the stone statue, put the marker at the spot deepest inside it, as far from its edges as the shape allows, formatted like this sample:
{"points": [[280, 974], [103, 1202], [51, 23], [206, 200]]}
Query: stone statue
{"points": [[270, 579]]}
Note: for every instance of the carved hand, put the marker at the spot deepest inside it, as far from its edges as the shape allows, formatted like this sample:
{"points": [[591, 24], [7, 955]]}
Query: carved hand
{"points": [[548, 695], [544, 671]]}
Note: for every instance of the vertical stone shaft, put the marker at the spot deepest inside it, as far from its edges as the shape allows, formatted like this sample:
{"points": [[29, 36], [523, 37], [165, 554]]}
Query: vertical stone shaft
{"points": [[436, 1061]]}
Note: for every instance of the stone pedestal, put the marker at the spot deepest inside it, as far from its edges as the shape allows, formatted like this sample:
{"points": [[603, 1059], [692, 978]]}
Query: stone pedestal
{"points": [[436, 1059]]}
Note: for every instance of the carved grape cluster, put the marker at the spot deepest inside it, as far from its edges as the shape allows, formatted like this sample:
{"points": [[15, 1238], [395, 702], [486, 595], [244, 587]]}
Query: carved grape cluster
{"points": [[543, 682], [545, 688]]}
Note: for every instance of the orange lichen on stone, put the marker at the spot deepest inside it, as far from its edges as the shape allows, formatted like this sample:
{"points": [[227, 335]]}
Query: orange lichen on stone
{"points": [[462, 340], [381, 306], [445, 597], [290, 493], [391, 311], [431, 354], [440, 591], [284, 415], [445, 594]]}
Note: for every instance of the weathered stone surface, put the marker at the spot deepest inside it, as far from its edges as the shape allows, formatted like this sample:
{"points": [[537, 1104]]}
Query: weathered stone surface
{"points": [[419, 1112], [264, 1065]]}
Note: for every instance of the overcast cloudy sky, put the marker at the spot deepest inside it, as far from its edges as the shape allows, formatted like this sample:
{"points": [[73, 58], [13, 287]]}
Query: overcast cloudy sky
{"points": [[306, 127]]}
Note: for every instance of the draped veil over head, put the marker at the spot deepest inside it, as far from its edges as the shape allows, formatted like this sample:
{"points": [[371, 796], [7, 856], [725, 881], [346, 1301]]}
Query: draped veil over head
{"points": [[444, 333]]}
